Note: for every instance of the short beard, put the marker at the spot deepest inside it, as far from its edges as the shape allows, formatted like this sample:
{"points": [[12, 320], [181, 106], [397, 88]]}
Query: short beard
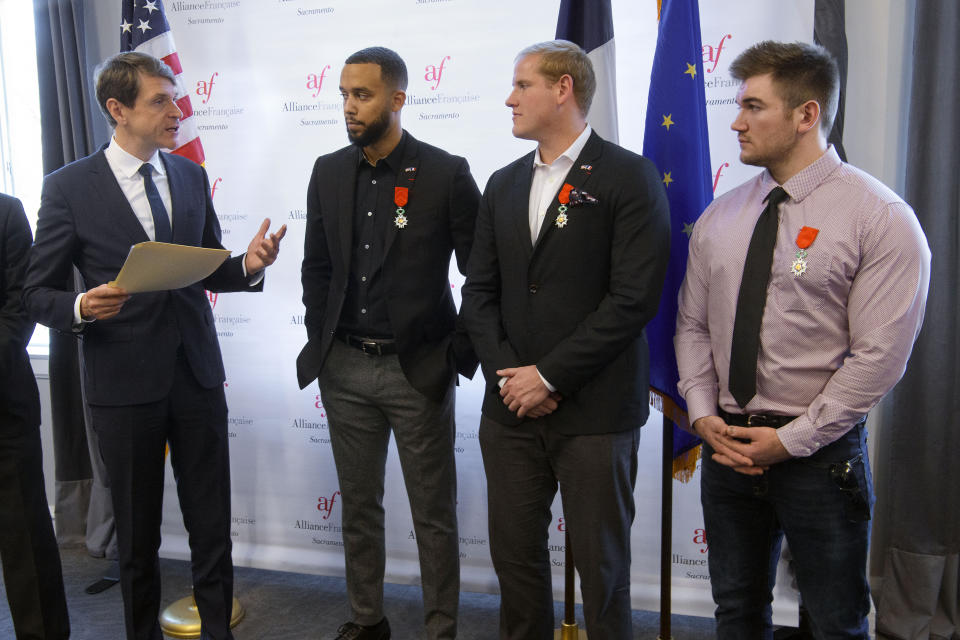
{"points": [[373, 131]]}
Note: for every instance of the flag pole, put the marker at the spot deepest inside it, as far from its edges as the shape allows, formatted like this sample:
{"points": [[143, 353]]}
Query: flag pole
{"points": [[568, 628], [666, 529]]}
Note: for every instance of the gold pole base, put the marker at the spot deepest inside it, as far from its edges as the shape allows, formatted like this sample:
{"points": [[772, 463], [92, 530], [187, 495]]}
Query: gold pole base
{"points": [[182, 620], [569, 632]]}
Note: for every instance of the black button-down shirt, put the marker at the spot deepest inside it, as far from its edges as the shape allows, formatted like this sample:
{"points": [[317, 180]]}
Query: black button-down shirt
{"points": [[365, 307]]}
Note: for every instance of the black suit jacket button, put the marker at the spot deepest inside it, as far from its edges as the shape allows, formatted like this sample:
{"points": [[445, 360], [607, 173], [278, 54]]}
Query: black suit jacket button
{"points": [[533, 288]]}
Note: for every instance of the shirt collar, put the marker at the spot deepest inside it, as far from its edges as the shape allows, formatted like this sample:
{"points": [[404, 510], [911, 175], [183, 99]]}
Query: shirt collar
{"points": [[572, 152], [804, 182], [128, 164], [391, 160]]}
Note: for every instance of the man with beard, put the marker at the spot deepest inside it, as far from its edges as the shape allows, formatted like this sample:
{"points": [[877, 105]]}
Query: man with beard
{"points": [[805, 289], [383, 217]]}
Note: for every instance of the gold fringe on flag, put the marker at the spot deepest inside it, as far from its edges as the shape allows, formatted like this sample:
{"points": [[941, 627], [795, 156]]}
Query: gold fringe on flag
{"points": [[685, 464]]}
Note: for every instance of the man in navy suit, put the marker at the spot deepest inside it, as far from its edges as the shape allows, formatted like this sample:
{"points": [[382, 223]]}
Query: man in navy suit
{"points": [[153, 371], [567, 266], [28, 547]]}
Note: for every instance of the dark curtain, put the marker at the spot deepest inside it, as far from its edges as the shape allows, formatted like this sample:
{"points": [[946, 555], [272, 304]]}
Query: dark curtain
{"points": [[66, 135], [918, 507], [829, 32]]}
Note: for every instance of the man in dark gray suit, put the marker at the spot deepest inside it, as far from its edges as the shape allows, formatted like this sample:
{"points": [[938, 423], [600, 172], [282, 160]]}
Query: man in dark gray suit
{"points": [[384, 216], [28, 548], [567, 267]]}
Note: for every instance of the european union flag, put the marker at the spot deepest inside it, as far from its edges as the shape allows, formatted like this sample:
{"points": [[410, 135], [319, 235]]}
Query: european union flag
{"points": [[675, 139]]}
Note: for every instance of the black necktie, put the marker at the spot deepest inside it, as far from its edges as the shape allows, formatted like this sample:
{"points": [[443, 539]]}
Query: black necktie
{"points": [[161, 222], [751, 300]]}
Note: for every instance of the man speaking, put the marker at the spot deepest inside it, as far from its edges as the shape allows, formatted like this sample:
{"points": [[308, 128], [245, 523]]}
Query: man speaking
{"points": [[153, 372]]}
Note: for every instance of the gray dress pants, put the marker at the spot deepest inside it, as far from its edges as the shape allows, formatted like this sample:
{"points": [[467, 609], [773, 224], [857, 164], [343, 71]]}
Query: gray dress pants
{"points": [[367, 396]]}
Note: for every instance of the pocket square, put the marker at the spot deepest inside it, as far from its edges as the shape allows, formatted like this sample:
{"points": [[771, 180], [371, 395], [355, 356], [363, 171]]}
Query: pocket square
{"points": [[578, 197]]}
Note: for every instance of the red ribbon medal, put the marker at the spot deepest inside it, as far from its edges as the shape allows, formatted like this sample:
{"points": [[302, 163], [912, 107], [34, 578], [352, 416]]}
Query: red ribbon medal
{"points": [[804, 239], [400, 195], [564, 198]]}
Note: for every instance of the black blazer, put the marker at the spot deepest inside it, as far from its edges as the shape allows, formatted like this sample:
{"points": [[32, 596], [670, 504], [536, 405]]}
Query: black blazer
{"points": [[85, 220], [442, 208], [19, 400], [575, 304]]}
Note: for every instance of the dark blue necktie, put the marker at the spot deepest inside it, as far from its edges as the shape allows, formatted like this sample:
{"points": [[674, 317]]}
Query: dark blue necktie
{"points": [[752, 299], [161, 222]]}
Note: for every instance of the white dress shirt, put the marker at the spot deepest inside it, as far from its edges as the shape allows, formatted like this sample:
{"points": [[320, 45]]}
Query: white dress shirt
{"points": [[546, 183], [547, 180], [126, 167]]}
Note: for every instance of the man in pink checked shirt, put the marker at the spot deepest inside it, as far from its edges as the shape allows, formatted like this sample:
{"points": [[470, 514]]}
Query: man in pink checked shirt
{"points": [[804, 292]]}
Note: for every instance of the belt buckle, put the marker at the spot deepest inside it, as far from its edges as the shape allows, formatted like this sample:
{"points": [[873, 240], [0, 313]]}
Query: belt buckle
{"points": [[750, 417], [370, 347]]}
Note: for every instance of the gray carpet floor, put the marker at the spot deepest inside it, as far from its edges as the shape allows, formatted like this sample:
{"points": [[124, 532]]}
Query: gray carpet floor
{"points": [[295, 606]]}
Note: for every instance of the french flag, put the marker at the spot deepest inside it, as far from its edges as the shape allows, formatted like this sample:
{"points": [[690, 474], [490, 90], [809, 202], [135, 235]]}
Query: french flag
{"points": [[589, 23]]}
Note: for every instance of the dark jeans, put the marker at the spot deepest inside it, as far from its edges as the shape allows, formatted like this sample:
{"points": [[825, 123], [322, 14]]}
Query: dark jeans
{"points": [[746, 518]]}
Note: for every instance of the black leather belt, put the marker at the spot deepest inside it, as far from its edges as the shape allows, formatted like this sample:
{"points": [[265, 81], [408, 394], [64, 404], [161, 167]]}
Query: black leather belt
{"points": [[372, 346], [755, 419]]}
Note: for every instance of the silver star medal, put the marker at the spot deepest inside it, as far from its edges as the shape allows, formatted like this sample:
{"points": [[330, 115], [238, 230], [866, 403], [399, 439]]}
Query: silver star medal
{"points": [[799, 266], [401, 220]]}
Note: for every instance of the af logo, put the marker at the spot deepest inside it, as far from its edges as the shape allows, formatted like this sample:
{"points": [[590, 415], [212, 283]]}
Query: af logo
{"points": [[712, 54], [325, 504], [315, 81], [716, 176], [433, 73], [205, 88], [700, 538]]}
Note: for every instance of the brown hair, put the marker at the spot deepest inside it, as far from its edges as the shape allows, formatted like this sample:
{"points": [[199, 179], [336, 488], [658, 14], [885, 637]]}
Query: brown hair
{"points": [[800, 71], [119, 78], [561, 57]]}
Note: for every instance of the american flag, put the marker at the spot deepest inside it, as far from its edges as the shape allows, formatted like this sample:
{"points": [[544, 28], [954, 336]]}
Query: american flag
{"points": [[145, 29]]}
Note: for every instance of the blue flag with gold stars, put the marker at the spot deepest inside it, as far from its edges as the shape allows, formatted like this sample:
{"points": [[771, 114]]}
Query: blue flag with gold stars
{"points": [[675, 139]]}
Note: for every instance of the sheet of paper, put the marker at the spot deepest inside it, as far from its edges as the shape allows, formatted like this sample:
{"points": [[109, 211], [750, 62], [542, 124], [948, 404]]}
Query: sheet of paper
{"points": [[158, 266]]}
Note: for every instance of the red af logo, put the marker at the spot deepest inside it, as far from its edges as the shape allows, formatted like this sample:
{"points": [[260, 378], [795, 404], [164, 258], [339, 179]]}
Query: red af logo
{"points": [[561, 524], [317, 402], [711, 54], [205, 88], [325, 504], [212, 297], [434, 73], [700, 538], [716, 176], [315, 81], [213, 187]]}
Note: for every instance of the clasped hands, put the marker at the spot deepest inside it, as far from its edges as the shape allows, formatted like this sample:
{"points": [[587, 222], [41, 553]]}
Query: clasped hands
{"points": [[105, 301], [747, 450], [525, 394]]}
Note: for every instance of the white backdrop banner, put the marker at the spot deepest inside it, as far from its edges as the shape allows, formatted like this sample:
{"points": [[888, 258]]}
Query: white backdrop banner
{"points": [[264, 82]]}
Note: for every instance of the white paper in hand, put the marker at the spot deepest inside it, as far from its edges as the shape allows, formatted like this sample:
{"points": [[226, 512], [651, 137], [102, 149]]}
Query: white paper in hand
{"points": [[159, 266]]}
